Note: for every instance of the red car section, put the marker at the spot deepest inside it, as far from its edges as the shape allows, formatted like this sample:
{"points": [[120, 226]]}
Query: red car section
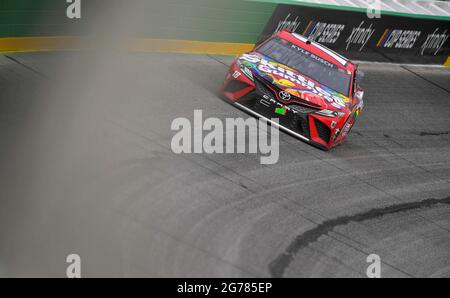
{"points": [[313, 92]]}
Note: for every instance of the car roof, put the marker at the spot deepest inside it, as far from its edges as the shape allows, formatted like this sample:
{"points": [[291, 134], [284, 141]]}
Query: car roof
{"points": [[318, 49]]}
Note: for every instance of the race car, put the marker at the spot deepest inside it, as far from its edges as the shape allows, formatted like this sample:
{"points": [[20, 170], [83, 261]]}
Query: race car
{"points": [[312, 91]]}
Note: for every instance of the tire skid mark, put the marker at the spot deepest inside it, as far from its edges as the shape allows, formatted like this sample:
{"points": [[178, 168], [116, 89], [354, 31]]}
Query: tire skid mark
{"points": [[278, 266]]}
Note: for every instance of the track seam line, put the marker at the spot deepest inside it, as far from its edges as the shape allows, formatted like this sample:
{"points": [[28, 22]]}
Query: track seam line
{"points": [[389, 195], [425, 79], [169, 234], [26, 67], [251, 192], [350, 174], [217, 60]]}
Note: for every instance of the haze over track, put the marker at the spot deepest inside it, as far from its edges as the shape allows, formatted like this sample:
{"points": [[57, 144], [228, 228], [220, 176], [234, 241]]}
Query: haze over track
{"points": [[87, 168]]}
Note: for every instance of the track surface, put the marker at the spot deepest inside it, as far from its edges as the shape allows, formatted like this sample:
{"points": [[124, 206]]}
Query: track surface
{"points": [[86, 168]]}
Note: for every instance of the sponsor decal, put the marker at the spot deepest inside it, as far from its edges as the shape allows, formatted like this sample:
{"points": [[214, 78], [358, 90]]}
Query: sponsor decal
{"points": [[333, 54], [335, 135], [287, 77], [281, 111], [268, 101], [311, 55], [236, 74], [434, 42], [401, 39], [282, 82], [346, 129], [333, 124], [360, 36], [323, 32], [247, 72]]}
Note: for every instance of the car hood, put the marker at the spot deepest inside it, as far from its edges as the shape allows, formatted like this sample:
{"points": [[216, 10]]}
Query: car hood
{"points": [[293, 82]]}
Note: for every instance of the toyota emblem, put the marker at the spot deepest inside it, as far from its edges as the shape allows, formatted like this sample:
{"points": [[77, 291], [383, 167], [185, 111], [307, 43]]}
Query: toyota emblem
{"points": [[285, 96]]}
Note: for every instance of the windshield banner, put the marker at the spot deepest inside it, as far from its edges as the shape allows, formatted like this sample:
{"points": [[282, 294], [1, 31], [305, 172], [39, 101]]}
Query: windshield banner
{"points": [[357, 36]]}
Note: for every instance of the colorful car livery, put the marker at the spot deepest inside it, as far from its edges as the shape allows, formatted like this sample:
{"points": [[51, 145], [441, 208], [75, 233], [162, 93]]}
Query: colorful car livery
{"points": [[313, 92]]}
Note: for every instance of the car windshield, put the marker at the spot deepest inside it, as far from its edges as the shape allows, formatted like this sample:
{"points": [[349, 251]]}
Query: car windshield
{"points": [[319, 69]]}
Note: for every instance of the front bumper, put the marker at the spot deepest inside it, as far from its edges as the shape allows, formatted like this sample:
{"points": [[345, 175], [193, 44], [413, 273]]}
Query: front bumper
{"points": [[294, 119]]}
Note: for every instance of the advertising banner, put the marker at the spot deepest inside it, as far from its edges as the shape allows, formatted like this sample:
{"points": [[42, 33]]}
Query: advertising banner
{"points": [[361, 36]]}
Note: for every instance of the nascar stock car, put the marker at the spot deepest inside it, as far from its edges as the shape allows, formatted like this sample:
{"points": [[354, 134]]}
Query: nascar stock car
{"points": [[314, 92]]}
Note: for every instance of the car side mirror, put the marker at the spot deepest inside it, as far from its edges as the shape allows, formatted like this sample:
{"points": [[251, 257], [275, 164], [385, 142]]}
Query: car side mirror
{"points": [[359, 94]]}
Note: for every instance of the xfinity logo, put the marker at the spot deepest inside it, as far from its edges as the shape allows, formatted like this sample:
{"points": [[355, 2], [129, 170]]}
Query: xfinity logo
{"points": [[434, 41], [288, 25], [360, 36]]}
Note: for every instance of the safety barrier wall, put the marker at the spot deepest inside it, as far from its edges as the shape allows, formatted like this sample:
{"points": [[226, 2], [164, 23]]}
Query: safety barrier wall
{"points": [[228, 27], [193, 26], [362, 35], [239, 21]]}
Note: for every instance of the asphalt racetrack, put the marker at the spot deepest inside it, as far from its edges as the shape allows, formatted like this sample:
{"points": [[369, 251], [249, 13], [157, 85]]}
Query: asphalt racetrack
{"points": [[87, 168]]}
